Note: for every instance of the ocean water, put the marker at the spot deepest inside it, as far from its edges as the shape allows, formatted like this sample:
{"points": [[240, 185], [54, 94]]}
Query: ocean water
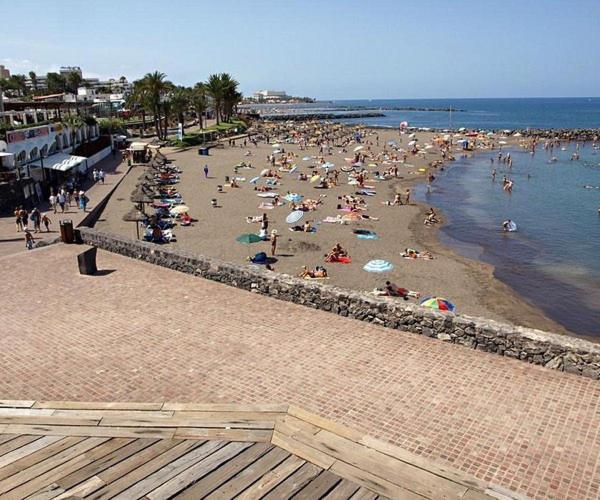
{"points": [[487, 114], [553, 260]]}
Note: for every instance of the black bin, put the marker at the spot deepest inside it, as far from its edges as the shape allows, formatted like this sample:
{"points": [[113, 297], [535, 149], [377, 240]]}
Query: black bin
{"points": [[67, 234]]}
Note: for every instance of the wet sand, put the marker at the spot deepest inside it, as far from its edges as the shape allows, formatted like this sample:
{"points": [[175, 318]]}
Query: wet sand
{"points": [[469, 284]]}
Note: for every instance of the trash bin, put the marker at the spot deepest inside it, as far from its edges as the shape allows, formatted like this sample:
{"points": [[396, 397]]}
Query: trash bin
{"points": [[66, 231]]}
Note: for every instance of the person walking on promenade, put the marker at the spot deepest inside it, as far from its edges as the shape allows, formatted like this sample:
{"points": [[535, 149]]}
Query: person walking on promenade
{"points": [[62, 200], [24, 218], [36, 219], [18, 220], [101, 175], [206, 171], [407, 192], [52, 201], [83, 200], [95, 174], [29, 240], [46, 220]]}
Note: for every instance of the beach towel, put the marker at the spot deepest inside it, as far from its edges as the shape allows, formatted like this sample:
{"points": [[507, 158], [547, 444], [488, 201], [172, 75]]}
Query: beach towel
{"points": [[316, 278], [333, 220], [341, 260], [266, 206]]}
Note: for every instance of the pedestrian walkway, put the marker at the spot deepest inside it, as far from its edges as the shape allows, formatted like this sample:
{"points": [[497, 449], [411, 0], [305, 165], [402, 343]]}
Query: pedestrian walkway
{"points": [[137, 332], [12, 241]]}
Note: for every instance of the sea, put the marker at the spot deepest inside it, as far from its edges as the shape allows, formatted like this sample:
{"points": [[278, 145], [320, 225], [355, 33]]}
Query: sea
{"points": [[553, 259]]}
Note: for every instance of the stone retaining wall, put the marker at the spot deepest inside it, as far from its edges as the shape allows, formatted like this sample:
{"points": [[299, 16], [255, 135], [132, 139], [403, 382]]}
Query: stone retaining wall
{"points": [[554, 351]]}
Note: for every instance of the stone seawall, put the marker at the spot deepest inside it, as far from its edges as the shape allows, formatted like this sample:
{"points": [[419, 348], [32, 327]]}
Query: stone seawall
{"points": [[554, 351]]}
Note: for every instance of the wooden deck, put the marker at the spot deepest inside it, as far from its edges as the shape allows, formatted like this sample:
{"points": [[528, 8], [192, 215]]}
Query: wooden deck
{"points": [[188, 451]]}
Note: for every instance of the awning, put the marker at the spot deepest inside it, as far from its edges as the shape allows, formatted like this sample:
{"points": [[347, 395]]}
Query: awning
{"points": [[63, 162]]}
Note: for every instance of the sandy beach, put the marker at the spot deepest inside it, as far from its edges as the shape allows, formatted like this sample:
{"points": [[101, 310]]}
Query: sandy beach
{"points": [[470, 285]]}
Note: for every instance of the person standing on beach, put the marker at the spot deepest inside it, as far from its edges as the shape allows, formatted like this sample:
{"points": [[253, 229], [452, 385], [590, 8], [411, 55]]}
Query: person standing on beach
{"points": [[206, 171], [101, 175], [407, 193], [52, 201], [18, 221], [493, 175], [274, 237]]}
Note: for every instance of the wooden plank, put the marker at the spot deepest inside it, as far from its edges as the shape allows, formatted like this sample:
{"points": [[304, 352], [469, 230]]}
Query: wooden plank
{"points": [[303, 450], [318, 487], [118, 455], [38, 456], [90, 405], [402, 474], [44, 482], [26, 481], [213, 480], [268, 407], [122, 467], [82, 490], [3, 428], [423, 463], [10, 403], [294, 482], [230, 415], [33, 444], [343, 490], [272, 478], [364, 494], [13, 444], [325, 423], [144, 470], [7, 437], [233, 423], [252, 435], [478, 495], [372, 482], [111, 413], [249, 475], [91, 431], [24, 411], [170, 470], [196, 471], [289, 425], [46, 420]]}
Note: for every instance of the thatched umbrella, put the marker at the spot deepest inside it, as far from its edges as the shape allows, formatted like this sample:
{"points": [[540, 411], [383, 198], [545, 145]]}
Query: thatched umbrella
{"points": [[137, 216]]}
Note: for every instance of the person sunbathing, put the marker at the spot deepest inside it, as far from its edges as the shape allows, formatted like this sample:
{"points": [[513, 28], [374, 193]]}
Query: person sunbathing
{"points": [[305, 272], [393, 290], [186, 220], [409, 253]]}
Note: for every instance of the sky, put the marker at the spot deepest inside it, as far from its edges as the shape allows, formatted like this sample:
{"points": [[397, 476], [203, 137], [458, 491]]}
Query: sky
{"points": [[327, 49]]}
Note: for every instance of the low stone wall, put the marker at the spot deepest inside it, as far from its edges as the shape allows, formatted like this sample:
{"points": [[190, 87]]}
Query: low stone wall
{"points": [[554, 351]]}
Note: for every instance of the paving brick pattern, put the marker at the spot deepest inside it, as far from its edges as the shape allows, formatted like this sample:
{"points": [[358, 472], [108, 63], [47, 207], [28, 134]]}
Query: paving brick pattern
{"points": [[143, 333]]}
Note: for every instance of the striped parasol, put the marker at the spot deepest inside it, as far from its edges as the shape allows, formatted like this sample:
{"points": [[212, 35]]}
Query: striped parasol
{"points": [[378, 266]]}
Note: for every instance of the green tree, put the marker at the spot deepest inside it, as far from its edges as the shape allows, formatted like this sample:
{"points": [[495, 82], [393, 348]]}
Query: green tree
{"points": [[231, 96], [34, 80], [154, 88], [73, 123], [214, 88], [199, 101], [73, 82], [56, 83], [180, 101]]}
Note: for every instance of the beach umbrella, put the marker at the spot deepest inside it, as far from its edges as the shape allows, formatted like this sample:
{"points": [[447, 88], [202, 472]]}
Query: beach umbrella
{"points": [[428, 146], [248, 238], [438, 303], [293, 197], [254, 180], [404, 124], [412, 136], [264, 172], [412, 143], [367, 236], [276, 145], [315, 178], [462, 129], [328, 164], [358, 148], [294, 217], [378, 266], [307, 158], [180, 209], [293, 169], [267, 195]]}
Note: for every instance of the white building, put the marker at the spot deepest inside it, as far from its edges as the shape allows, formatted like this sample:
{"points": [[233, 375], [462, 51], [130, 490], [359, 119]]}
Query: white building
{"points": [[267, 95]]}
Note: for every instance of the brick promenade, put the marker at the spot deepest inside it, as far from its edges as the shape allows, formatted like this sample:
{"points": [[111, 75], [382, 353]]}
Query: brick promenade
{"points": [[143, 333]]}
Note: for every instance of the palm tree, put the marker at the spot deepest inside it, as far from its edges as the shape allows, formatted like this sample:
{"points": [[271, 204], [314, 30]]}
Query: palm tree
{"points": [[199, 101], [73, 123], [180, 100], [214, 89], [34, 80], [155, 86], [231, 96]]}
